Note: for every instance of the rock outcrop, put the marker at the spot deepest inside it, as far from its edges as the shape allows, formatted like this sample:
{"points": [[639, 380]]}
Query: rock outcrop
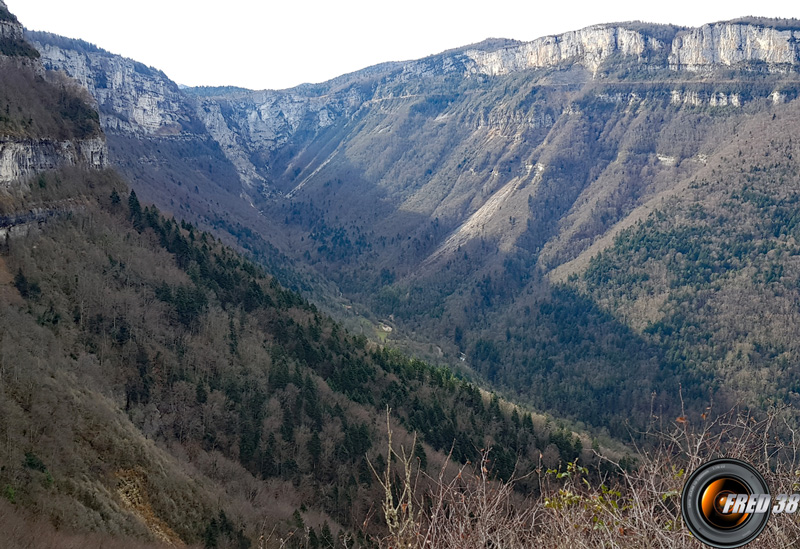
{"points": [[23, 153], [727, 44], [10, 29], [20, 159], [588, 47], [132, 98]]}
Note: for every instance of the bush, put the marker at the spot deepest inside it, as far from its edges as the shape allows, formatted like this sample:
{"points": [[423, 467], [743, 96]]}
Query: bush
{"points": [[631, 506]]}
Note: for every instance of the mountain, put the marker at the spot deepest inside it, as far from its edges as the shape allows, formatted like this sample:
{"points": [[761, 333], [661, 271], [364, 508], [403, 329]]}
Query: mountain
{"points": [[602, 224], [461, 200], [44, 122], [158, 388]]}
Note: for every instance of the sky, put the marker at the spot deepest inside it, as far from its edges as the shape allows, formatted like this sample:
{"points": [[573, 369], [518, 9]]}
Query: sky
{"points": [[267, 44]]}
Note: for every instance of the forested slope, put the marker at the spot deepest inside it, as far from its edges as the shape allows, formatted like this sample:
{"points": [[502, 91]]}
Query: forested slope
{"points": [[159, 387], [141, 354]]}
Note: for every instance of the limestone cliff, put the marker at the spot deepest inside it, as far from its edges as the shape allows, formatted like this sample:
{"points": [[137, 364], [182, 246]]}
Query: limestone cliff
{"points": [[22, 158], [52, 125], [132, 98], [10, 29], [588, 47], [728, 44]]}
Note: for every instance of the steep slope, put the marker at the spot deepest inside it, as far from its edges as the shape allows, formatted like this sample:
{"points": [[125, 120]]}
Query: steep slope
{"points": [[45, 122], [445, 196], [157, 386], [158, 142], [133, 329], [711, 272]]}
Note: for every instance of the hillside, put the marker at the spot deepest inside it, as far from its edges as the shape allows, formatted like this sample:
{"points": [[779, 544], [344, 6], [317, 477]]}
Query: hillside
{"points": [[455, 199], [159, 388], [710, 273], [135, 330]]}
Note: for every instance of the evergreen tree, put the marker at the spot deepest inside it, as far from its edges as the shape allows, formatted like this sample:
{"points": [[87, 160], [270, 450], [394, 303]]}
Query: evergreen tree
{"points": [[419, 453]]}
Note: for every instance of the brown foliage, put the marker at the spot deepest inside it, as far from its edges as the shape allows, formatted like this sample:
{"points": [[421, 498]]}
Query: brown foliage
{"points": [[634, 508], [22, 531]]}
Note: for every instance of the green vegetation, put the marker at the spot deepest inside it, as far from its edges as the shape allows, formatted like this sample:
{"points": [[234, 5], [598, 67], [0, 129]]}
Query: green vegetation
{"points": [[159, 328], [664, 33], [17, 48], [770, 22], [156, 383]]}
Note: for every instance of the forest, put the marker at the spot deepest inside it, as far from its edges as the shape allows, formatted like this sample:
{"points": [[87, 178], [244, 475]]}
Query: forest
{"points": [[415, 306], [216, 380]]}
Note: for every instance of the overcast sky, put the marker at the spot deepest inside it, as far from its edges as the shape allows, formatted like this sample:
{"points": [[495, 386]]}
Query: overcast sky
{"points": [[281, 44]]}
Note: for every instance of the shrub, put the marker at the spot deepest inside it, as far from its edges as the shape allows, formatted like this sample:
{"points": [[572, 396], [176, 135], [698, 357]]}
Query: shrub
{"points": [[629, 507]]}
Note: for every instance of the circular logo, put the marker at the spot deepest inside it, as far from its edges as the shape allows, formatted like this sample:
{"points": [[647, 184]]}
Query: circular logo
{"points": [[725, 503]]}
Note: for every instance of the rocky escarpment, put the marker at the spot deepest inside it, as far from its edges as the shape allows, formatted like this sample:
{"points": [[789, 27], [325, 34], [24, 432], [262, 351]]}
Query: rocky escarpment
{"points": [[52, 126], [10, 29], [706, 47], [20, 159], [589, 47], [253, 125], [250, 127], [132, 98], [728, 44]]}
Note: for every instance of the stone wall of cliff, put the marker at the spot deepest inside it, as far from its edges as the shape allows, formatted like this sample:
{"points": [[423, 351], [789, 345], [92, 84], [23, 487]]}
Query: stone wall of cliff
{"points": [[23, 151], [131, 97], [249, 127], [728, 44], [22, 158], [706, 47], [588, 47]]}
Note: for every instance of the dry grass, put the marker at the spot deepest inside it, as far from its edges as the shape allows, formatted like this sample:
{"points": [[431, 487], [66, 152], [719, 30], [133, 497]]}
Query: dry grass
{"points": [[637, 508]]}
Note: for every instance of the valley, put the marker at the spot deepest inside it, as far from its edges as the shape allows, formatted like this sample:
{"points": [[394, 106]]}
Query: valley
{"points": [[216, 304], [456, 197]]}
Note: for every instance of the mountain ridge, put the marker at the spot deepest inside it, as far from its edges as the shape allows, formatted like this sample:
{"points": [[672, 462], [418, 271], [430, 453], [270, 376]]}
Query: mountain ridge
{"points": [[601, 224], [158, 387], [434, 194], [33, 136]]}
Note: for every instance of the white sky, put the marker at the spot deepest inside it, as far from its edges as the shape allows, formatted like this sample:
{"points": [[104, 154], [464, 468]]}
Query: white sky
{"points": [[281, 44]]}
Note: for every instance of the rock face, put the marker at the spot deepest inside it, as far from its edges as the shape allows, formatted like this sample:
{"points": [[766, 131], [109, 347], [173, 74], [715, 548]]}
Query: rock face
{"points": [[730, 44], [10, 29], [23, 154], [132, 98], [588, 47], [20, 159], [706, 47]]}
